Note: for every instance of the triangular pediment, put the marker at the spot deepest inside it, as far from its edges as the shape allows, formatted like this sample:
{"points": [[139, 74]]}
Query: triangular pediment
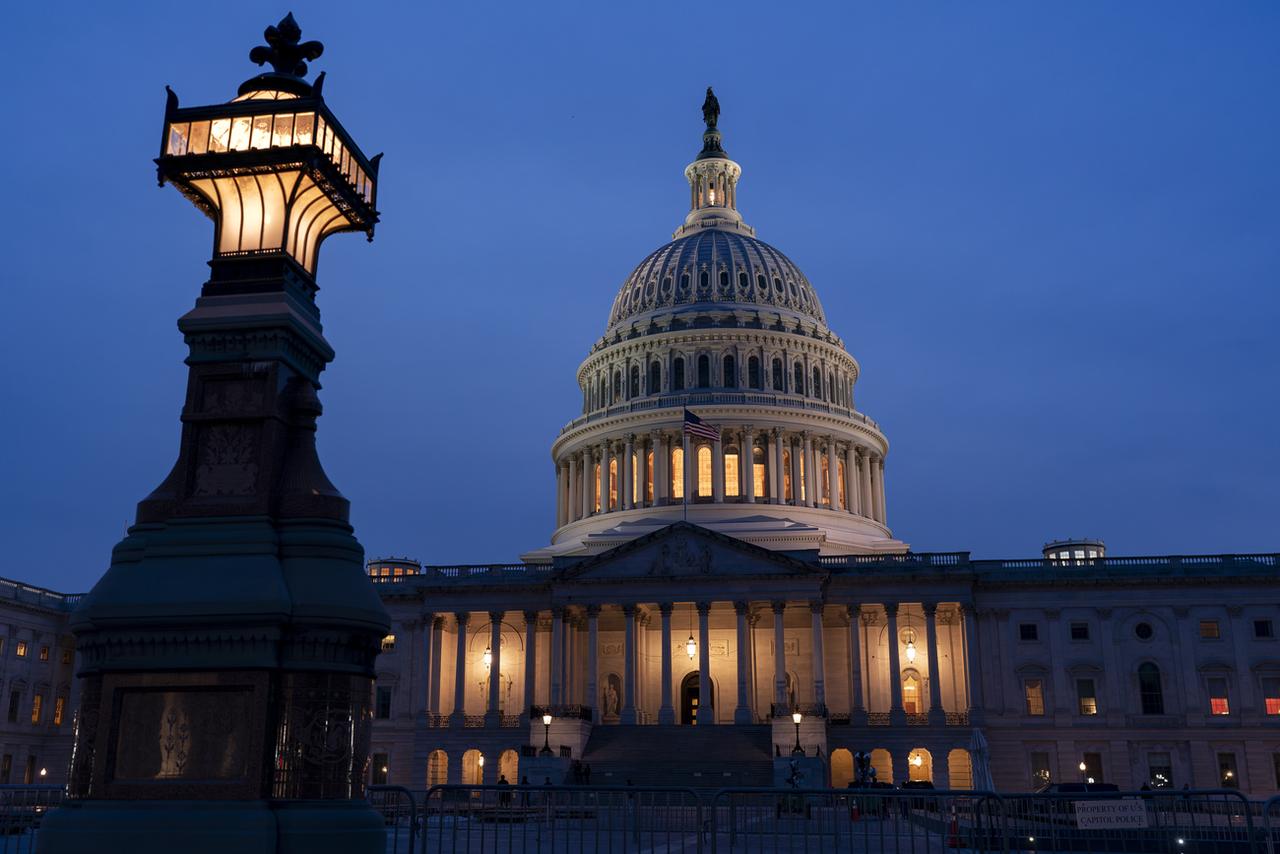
{"points": [[686, 551]]}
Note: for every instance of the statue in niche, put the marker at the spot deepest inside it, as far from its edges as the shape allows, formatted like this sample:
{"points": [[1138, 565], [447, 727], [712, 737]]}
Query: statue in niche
{"points": [[611, 696], [791, 690]]}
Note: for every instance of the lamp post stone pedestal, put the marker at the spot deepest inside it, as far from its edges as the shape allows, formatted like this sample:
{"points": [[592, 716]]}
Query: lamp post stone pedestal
{"points": [[227, 653]]}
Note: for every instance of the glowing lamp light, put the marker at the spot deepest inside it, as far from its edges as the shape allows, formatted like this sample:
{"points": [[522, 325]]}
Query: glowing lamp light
{"points": [[1082, 766], [45, 771], [546, 720], [691, 647], [1090, 780], [796, 717], [917, 760], [911, 652], [711, 195], [480, 761], [488, 657]]}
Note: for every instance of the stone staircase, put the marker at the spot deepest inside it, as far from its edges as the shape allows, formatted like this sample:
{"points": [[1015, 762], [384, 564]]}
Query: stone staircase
{"points": [[706, 757]]}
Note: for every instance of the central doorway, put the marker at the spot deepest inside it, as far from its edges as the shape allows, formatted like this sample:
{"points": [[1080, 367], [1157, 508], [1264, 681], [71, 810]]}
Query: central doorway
{"points": [[691, 700]]}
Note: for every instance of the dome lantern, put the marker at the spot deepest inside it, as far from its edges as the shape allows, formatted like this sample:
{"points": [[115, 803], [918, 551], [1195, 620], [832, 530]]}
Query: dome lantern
{"points": [[713, 181]]}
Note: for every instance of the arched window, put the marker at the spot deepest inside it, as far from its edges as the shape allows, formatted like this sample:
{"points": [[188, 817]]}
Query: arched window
{"points": [[911, 693], [677, 374], [613, 483], [704, 471], [1150, 690], [704, 280], [635, 380], [677, 473], [648, 477], [777, 375], [758, 473], [816, 391], [437, 768], [744, 281], [753, 372], [472, 768], [798, 388], [724, 279], [655, 378], [730, 372], [604, 391], [732, 473], [786, 474], [704, 371], [831, 385], [617, 386]]}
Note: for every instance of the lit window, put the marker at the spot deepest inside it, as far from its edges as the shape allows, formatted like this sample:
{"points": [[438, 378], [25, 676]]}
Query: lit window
{"points": [[1263, 629], [1227, 776], [595, 486], [388, 643], [1088, 696], [1079, 631], [37, 704], [1028, 632], [59, 706], [648, 477], [22, 649], [843, 501], [1218, 704], [1034, 691], [613, 484], [1271, 694], [44, 653], [786, 475], [677, 472], [704, 471], [824, 490], [1209, 629], [911, 695], [1159, 771], [1039, 768], [758, 472], [731, 475]]}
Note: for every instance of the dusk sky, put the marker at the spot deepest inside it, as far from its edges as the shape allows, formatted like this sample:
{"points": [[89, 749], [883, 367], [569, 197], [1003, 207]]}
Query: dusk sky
{"points": [[1048, 232]]}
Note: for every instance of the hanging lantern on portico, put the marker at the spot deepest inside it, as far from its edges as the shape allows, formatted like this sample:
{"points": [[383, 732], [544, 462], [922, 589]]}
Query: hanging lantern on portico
{"points": [[488, 657], [691, 647], [911, 641]]}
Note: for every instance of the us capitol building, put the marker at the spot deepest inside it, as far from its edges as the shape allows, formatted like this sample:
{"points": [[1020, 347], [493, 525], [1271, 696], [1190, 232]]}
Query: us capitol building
{"points": [[711, 581]]}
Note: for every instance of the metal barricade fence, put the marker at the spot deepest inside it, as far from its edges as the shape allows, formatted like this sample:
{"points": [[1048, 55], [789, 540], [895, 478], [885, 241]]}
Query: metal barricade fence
{"points": [[1269, 818], [1156, 821], [399, 810], [21, 810], [886, 821], [519, 819]]}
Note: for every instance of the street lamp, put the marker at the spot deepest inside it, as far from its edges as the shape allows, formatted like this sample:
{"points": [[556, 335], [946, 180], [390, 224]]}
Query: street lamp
{"points": [[546, 736], [796, 717], [1083, 768]]}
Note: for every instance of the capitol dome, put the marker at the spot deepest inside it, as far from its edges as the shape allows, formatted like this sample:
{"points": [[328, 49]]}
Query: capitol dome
{"points": [[719, 395]]}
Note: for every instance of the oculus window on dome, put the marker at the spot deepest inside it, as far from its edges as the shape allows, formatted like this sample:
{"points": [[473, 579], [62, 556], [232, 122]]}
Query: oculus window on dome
{"points": [[273, 168]]}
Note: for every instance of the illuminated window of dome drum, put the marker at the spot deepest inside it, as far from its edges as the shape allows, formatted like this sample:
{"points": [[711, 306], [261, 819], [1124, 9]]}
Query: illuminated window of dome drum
{"points": [[648, 478], [786, 476], [840, 485], [704, 471], [758, 472], [731, 473], [677, 472], [824, 488], [595, 486], [613, 484]]}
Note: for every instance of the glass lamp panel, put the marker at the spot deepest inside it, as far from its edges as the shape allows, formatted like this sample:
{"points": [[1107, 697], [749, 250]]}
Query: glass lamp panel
{"points": [[241, 128], [308, 202], [275, 189], [250, 212], [261, 137], [199, 142], [282, 135], [229, 206], [303, 126], [220, 135], [321, 130], [335, 222], [178, 132]]}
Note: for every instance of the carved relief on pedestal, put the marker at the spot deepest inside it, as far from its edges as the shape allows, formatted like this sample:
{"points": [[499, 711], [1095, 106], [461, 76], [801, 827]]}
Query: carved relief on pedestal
{"points": [[226, 460]]}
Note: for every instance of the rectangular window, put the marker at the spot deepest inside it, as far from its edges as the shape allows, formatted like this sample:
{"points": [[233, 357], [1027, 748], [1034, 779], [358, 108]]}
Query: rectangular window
{"points": [[383, 708], [1159, 771], [1092, 767], [1079, 631], [1271, 694], [1209, 630], [59, 706], [1034, 691], [1087, 696], [1040, 769], [37, 704], [29, 776], [731, 475], [1228, 778], [6, 768], [1028, 632], [1263, 629], [22, 649], [1218, 704], [66, 654], [15, 700], [44, 653], [379, 769]]}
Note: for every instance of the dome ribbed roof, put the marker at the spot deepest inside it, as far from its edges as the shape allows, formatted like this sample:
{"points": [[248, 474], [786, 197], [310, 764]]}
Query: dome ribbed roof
{"points": [[714, 268]]}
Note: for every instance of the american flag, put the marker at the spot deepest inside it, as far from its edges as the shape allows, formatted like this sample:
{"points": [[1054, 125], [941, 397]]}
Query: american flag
{"points": [[695, 426]]}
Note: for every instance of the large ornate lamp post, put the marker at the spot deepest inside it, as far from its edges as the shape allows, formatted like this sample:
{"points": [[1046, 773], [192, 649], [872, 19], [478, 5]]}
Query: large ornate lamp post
{"points": [[228, 651]]}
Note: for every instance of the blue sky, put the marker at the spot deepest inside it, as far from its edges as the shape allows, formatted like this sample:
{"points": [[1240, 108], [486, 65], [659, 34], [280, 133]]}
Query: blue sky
{"points": [[1049, 232]]}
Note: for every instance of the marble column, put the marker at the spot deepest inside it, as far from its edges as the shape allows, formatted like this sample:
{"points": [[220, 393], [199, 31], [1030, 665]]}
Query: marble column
{"points": [[604, 477], [556, 694], [973, 677], [572, 505], [585, 480], [752, 666], [897, 717], [666, 713], [819, 665], [779, 655], [777, 479], [833, 474], [437, 656], [593, 665], [706, 695], [877, 488], [626, 501], [494, 714], [460, 673], [937, 715], [857, 705], [810, 476], [747, 464], [530, 664], [742, 714], [422, 689], [864, 478], [628, 715], [560, 486], [797, 488], [717, 471], [661, 459]]}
